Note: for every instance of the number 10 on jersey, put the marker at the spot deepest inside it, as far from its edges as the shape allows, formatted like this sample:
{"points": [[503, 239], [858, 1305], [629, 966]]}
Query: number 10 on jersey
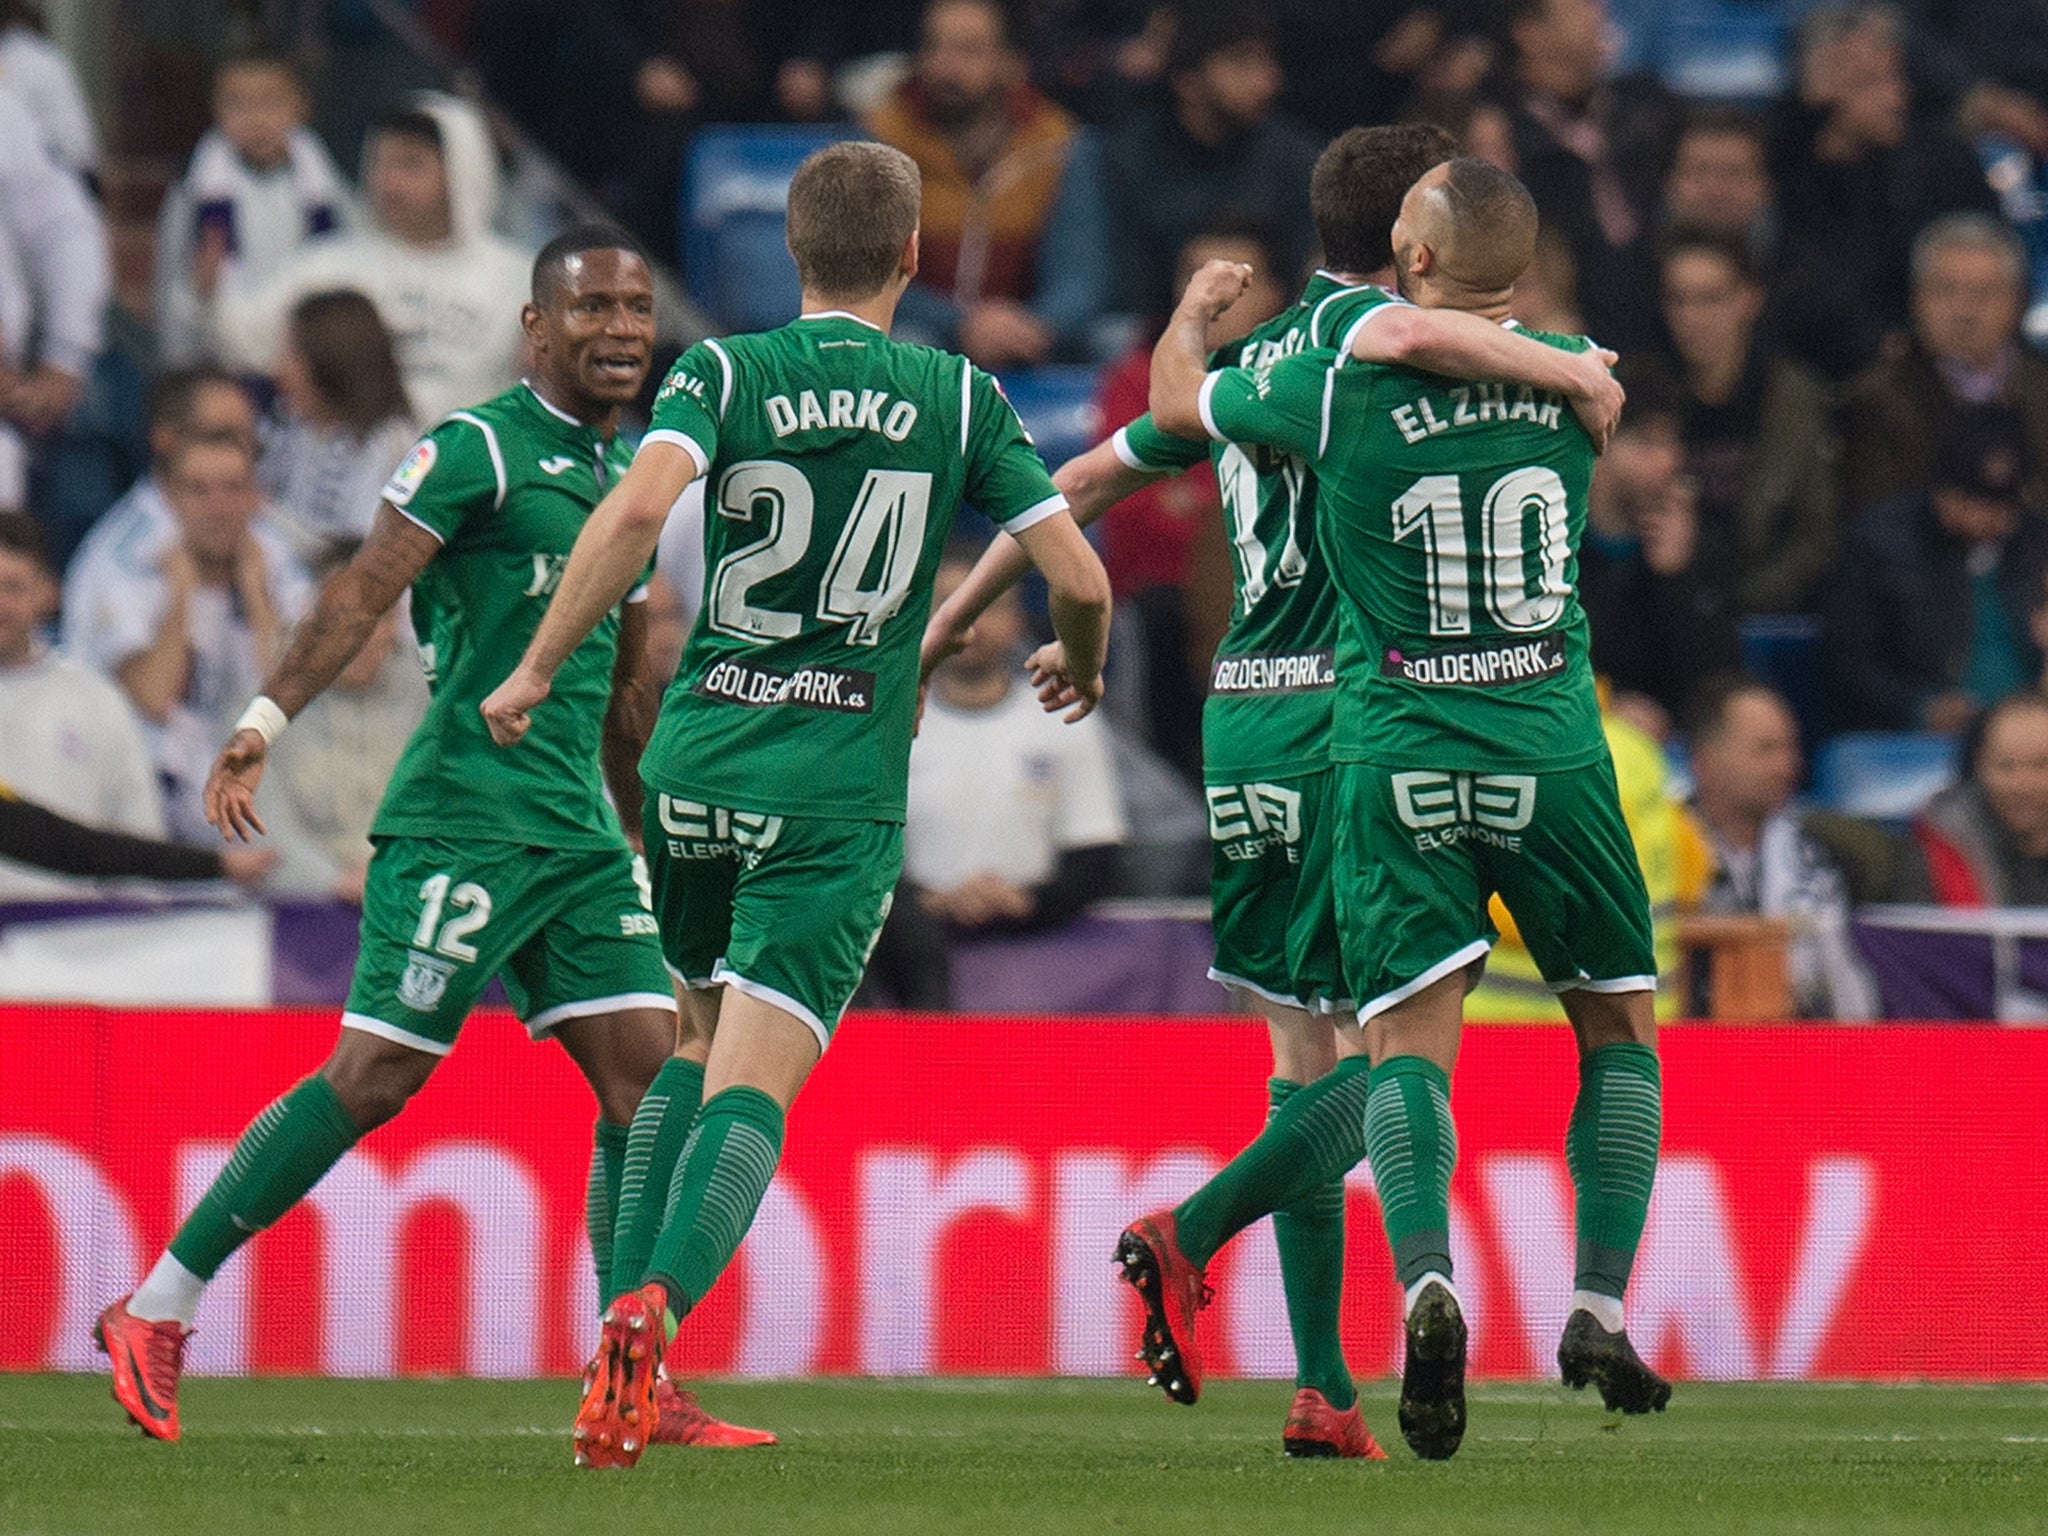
{"points": [[1517, 599]]}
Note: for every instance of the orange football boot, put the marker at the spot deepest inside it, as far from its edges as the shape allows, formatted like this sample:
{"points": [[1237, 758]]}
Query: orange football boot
{"points": [[681, 1420], [1173, 1291], [618, 1417], [146, 1357], [1314, 1428]]}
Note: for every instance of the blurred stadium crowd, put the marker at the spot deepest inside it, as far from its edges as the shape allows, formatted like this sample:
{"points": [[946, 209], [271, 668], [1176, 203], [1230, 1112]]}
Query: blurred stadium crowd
{"points": [[1817, 566]]}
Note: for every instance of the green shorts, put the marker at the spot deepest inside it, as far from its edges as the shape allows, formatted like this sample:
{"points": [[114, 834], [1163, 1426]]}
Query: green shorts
{"points": [[783, 908], [571, 934], [1272, 906], [1419, 854]]}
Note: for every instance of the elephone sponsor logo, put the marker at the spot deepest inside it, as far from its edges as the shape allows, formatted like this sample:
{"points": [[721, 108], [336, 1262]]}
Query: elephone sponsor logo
{"points": [[408, 477], [1299, 673], [1479, 666], [1445, 809], [834, 688], [699, 831], [424, 981], [1248, 819], [547, 574]]}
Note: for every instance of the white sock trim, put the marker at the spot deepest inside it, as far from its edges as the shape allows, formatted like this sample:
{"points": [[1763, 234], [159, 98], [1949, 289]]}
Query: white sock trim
{"points": [[1606, 1310], [169, 1291], [1415, 1290]]}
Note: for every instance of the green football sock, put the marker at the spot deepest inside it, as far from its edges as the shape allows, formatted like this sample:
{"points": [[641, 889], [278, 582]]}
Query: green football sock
{"points": [[601, 1200], [281, 1155], [1316, 1136], [1414, 1150], [726, 1166], [1310, 1235], [1611, 1147], [654, 1145]]}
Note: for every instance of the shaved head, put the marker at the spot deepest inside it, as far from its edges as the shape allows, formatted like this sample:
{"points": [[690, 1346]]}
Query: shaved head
{"points": [[1476, 223]]}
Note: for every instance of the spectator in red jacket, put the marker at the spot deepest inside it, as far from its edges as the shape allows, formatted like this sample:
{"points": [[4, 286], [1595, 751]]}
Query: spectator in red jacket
{"points": [[1986, 838]]}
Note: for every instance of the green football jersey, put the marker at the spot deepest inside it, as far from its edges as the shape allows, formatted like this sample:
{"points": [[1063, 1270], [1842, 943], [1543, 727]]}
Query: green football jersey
{"points": [[505, 486], [1274, 674], [836, 461], [1451, 515]]}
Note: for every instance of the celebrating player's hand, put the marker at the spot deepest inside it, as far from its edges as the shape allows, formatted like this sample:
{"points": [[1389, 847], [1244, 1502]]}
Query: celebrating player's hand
{"points": [[509, 709], [1598, 399], [1057, 687], [1215, 288], [230, 793]]}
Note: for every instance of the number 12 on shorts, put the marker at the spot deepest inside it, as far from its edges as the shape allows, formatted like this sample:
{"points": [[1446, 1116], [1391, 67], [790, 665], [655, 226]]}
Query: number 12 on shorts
{"points": [[473, 904]]}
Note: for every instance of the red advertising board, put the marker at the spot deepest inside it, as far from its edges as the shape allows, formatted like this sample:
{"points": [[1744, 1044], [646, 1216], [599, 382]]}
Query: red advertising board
{"points": [[1829, 1200]]}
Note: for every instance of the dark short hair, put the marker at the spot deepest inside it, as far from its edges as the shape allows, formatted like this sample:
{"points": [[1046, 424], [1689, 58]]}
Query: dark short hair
{"points": [[22, 535], [549, 267], [1356, 188], [1706, 712], [1654, 393], [410, 123], [1204, 28], [1254, 226], [852, 208], [1720, 121], [174, 395], [260, 56], [1733, 250]]}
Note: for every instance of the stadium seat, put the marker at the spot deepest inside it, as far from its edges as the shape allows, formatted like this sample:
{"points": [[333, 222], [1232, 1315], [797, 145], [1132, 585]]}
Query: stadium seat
{"points": [[1882, 775], [1057, 407], [735, 185], [1784, 650]]}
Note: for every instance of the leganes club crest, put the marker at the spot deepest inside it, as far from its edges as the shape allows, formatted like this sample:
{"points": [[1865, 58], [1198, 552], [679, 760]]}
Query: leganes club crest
{"points": [[424, 981]]}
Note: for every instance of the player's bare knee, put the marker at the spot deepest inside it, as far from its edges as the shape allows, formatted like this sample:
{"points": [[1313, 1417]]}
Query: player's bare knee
{"points": [[1611, 1018], [374, 1077], [1304, 1046]]}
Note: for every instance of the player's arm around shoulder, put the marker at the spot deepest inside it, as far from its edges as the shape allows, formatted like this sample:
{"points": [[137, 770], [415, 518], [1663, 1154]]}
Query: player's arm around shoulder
{"points": [[1461, 345]]}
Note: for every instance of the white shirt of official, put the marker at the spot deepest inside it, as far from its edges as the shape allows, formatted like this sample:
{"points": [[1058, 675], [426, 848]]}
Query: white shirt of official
{"points": [[72, 745], [1005, 791]]}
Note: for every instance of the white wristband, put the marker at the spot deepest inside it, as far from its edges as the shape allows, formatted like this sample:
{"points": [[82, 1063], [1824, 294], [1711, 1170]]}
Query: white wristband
{"points": [[264, 718]]}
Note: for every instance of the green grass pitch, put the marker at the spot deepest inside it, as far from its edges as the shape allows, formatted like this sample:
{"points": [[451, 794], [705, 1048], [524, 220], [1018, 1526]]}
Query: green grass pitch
{"points": [[419, 1458]]}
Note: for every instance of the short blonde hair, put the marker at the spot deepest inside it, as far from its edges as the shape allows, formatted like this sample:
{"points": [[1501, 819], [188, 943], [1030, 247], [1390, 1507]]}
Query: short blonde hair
{"points": [[852, 208]]}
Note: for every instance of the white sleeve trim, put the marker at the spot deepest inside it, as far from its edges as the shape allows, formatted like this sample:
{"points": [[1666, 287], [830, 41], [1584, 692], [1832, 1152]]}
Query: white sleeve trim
{"points": [[1329, 390], [682, 440], [638, 594], [490, 442], [1126, 455], [1350, 336], [1031, 516], [966, 401], [1202, 405], [724, 389], [439, 537]]}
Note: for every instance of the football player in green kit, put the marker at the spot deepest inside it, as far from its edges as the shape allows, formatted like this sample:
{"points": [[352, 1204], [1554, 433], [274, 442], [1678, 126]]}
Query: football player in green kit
{"points": [[835, 461], [1469, 759], [1266, 730], [484, 864]]}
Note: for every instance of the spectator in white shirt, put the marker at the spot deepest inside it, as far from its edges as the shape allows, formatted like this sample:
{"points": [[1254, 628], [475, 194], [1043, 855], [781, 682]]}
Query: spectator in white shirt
{"points": [[71, 742], [37, 71], [55, 281], [343, 422], [259, 186], [332, 770], [1014, 819], [190, 621], [186, 402], [449, 289]]}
